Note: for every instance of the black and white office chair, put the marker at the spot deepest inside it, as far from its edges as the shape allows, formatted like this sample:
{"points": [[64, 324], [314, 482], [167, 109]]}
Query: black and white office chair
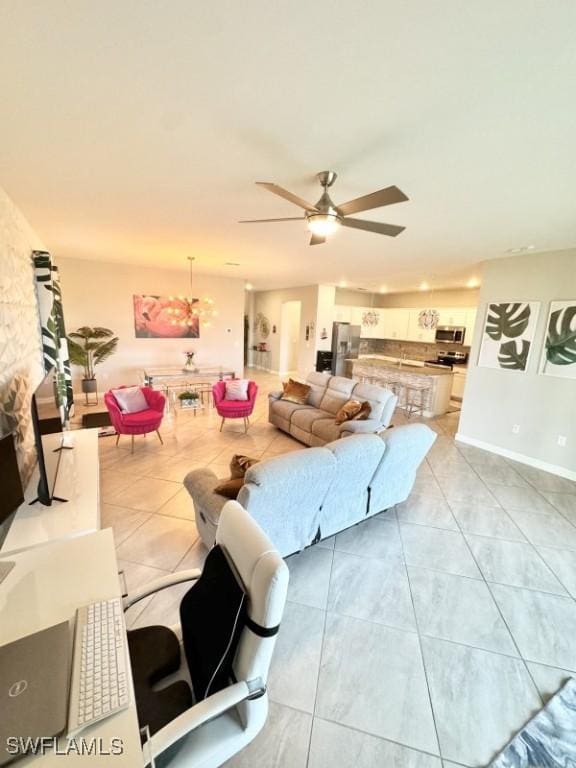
{"points": [[201, 686]]}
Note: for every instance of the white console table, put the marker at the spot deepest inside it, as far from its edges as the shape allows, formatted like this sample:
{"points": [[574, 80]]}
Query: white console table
{"points": [[45, 587], [78, 481]]}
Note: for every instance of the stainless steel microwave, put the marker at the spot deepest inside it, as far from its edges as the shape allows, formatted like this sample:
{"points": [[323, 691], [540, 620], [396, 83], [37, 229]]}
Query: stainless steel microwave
{"points": [[450, 334]]}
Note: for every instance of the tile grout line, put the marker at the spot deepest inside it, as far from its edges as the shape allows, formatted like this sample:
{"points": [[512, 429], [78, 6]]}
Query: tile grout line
{"points": [[524, 662], [528, 541], [325, 611], [420, 645]]}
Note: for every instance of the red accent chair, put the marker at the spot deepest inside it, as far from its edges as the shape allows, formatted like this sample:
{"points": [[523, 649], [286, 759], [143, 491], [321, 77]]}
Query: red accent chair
{"points": [[234, 409], [137, 423]]}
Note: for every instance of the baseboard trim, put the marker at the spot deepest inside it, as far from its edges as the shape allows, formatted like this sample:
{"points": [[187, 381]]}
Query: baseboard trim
{"points": [[519, 457]]}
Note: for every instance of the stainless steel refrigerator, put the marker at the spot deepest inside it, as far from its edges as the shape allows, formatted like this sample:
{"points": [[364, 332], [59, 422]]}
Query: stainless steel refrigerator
{"points": [[345, 346]]}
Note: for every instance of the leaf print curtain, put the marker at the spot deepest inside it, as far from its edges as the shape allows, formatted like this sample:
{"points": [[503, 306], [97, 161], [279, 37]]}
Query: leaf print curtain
{"points": [[54, 342]]}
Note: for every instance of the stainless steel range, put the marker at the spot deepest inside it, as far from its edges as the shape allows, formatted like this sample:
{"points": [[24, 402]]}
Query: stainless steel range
{"points": [[449, 359]]}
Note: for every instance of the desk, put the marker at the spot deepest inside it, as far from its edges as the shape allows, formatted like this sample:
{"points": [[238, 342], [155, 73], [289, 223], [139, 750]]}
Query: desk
{"points": [[44, 588], [78, 481]]}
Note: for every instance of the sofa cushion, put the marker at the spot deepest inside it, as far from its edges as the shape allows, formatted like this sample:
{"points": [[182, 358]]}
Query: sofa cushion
{"points": [[317, 383], [304, 419], [284, 409], [346, 502], [284, 495], [326, 430], [337, 393]]}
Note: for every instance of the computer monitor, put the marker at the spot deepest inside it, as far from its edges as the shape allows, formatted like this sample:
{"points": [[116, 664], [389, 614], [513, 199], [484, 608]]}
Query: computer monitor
{"points": [[11, 494], [47, 420]]}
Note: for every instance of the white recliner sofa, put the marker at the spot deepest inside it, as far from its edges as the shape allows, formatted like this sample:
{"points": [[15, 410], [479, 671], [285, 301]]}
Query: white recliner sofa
{"points": [[313, 423], [302, 497]]}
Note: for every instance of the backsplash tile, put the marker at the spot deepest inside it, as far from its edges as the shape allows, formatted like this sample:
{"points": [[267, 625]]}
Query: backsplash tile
{"points": [[414, 350]]}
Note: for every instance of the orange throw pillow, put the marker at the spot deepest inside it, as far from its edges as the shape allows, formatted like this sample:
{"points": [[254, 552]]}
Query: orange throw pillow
{"points": [[239, 465], [348, 411], [363, 413], [295, 392], [230, 488]]}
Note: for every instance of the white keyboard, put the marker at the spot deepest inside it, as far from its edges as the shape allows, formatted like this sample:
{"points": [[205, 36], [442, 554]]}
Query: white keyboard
{"points": [[99, 685]]}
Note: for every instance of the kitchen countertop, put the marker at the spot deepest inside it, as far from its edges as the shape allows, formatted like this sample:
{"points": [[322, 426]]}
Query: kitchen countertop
{"points": [[419, 370]]}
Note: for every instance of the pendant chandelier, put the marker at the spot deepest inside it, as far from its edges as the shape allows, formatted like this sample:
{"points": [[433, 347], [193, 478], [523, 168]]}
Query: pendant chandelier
{"points": [[188, 310]]}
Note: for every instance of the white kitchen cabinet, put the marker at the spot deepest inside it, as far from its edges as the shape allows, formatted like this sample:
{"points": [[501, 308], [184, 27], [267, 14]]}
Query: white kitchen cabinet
{"points": [[458, 383], [455, 317], [415, 332], [343, 314], [395, 323]]}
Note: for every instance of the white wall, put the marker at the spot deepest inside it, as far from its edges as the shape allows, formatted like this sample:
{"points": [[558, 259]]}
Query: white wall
{"points": [[21, 366], [269, 303], [494, 400], [289, 336], [99, 293], [325, 316]]}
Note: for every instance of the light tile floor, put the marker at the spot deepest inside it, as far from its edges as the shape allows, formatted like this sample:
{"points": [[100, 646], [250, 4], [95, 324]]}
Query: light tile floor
{"points": [[423, 637]]}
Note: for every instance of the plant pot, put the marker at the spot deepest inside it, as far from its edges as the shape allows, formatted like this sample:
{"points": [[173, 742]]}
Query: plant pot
{"points": [[89, 386]]}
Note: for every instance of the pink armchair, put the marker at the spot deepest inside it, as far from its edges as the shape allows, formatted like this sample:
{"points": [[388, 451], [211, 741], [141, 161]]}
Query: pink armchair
{"points": [[234, 409], [137, 423]]}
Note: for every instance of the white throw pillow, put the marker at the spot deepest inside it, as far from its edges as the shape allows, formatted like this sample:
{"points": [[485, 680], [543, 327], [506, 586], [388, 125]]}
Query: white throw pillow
{"points": [[130, 399], [236, 389]]}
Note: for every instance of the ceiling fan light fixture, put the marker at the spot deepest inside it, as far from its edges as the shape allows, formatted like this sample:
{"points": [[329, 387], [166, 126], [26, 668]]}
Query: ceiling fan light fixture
{"points": [[323, 224]]}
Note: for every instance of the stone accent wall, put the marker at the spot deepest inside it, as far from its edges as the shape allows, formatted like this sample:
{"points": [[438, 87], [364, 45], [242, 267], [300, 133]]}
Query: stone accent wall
{"points": [[21, 366]]}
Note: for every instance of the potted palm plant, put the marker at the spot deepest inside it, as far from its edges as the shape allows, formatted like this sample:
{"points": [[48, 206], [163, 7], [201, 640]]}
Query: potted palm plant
{"points": [[87, 348]]}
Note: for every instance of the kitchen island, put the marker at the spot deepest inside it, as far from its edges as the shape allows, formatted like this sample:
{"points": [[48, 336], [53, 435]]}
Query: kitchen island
{"points": [[385, 372]]}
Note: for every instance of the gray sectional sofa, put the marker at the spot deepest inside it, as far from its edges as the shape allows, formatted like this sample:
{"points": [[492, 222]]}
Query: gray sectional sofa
{"points": [[302, 497], [314, 423]]}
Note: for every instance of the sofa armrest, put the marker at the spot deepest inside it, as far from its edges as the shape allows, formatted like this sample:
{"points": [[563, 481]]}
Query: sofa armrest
{"points": [[370, 426], [275, 395], [200, 484]]}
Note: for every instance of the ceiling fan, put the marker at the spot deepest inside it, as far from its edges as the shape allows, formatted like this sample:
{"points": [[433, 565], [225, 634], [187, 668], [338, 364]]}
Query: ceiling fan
{"points": [[325, 217]]}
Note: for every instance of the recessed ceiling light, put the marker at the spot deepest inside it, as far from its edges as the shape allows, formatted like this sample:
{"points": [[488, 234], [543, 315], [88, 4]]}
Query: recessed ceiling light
{"points": [[521, 249], [231, 264], [342, 284], [424, 286], [473, 283], [248, 286], [383, 289]]}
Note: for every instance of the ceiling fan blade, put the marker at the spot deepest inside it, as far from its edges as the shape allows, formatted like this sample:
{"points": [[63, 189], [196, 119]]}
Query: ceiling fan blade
{"points": [[317, 240], [373, 226], [387, 196], [287, 195], [266, 221]]}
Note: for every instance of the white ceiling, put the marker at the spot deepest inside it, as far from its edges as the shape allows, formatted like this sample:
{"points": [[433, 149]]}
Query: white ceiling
{"points": [[133, 130]]}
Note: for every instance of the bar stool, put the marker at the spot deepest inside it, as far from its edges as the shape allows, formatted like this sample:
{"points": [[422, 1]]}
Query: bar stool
{"points": [[397, 387], [417, 397]]}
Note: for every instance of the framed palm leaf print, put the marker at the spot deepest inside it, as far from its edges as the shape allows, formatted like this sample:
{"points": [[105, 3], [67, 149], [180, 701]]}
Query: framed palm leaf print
{"points": [[559, 354], [508, 335]]}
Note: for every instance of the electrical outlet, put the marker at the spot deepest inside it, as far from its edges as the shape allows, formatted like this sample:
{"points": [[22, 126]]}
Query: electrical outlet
{"points": [[515, 429], [562, 441]]}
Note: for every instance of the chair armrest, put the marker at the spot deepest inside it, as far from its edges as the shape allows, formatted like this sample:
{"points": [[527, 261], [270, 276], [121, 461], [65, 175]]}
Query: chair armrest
{"points": [[158, 584], [372, 426], [201, 713], [275, 395]]}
